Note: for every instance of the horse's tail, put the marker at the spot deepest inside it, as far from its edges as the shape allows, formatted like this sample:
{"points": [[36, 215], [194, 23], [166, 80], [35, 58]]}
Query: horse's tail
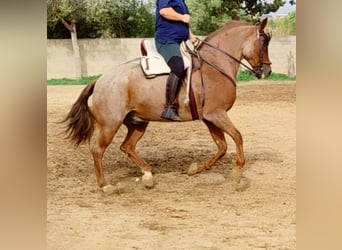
{"points": [[80, 120]]}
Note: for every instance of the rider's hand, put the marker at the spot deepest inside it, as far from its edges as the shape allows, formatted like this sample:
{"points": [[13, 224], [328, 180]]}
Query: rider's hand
{"points": [[186, 18], [192, 37]]}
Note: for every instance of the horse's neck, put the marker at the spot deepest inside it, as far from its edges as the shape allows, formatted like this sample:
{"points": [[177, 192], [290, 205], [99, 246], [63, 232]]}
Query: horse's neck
{"points": [[231, 41]]}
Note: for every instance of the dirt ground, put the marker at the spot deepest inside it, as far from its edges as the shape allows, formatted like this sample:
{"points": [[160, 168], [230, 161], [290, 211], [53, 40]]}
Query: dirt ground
{"points": [[181, 212]]}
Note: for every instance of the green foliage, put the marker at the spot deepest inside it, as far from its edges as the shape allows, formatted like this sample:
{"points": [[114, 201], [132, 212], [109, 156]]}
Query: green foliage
{"points": [[135, 18], [139, 19], [283, 26], [68, 81], [257, 8], [208, 15], [130, 18], [245, 75], [70, 10], [101, 18]]}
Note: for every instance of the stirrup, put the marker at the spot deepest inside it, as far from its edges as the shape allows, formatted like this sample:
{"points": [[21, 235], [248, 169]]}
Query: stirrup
{"points": [[170, 114]]}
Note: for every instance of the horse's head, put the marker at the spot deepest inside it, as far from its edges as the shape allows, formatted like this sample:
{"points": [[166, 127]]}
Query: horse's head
{"points": [[256, 51]]}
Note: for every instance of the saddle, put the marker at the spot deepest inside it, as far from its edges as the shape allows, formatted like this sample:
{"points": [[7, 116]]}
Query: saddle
{"points": [[153, 64]]}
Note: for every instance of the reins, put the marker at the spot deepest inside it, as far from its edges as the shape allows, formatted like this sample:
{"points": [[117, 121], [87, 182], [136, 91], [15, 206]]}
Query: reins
{"points": [[196, 53], [193, 51], [215, 66], [227, 54]]}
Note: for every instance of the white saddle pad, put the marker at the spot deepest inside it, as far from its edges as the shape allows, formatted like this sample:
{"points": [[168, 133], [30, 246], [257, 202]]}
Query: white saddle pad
{"points": [[154, 64]]}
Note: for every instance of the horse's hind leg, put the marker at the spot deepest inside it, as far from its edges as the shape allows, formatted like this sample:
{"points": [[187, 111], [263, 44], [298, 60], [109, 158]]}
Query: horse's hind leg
{"points": [[222, 122], [134, 133], [101, 142], [219, 139]]}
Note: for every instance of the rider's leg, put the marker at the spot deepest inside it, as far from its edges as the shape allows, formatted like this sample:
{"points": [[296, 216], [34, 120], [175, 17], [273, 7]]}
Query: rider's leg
{"points": [[172, 88]]}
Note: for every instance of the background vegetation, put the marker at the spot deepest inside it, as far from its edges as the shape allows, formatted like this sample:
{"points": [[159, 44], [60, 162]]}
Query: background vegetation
{"points": [[242, 76], [283, 26], [135, 18]]}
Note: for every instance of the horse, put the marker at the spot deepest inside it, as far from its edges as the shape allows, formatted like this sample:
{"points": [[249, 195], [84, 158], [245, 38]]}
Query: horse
{"points": [[123, 95]]}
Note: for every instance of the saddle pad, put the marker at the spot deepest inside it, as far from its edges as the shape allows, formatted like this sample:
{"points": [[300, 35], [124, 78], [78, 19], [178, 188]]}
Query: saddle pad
{"points": [[152, 63]]}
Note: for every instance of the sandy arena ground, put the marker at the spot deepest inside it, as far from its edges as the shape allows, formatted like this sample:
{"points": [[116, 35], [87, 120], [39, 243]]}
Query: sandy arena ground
{"points": [[181, 212]]}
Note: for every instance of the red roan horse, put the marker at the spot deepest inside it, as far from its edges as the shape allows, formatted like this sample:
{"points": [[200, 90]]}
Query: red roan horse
{"points": [[124, 96]]}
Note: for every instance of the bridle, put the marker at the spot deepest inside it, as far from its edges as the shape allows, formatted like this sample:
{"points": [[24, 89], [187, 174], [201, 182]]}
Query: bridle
{"points": [[255, 70], [262, 45]]}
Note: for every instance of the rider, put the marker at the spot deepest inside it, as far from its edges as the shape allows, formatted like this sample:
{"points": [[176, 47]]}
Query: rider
{"points": [[171, 28]]}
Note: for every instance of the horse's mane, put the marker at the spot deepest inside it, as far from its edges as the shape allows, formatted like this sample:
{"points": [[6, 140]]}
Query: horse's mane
{"points": [[230, 25]]}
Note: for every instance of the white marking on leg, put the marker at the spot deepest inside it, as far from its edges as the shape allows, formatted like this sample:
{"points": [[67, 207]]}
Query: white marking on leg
{"points": [[108, 189], [193, 168], [147, 179]]}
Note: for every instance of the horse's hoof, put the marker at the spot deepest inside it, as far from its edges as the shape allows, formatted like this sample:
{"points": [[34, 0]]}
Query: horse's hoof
{"points": [[239, 182], [147, 180], [237, 174], [108, 189], [193, 169], [242, 185]]}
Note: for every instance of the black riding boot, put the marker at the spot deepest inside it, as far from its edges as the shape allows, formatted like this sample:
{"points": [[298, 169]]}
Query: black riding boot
{"points": [[171, 110]]}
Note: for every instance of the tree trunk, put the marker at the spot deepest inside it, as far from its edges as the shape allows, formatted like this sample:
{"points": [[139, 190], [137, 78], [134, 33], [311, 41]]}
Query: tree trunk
{"points": [[78, 63]]}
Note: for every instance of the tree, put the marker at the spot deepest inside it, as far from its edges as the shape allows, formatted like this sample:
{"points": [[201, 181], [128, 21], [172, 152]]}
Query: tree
{"points": [[208, 16], [139, 16], [108, 18], [283, 26], [98, 18], [68, 12], [257, 8]]}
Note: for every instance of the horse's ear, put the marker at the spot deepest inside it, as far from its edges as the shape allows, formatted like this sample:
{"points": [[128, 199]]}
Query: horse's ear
{"points": [[263, 24]]}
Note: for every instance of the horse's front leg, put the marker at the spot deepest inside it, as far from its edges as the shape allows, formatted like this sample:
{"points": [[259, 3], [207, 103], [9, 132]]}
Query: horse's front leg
{"points": [[219, 139], [221, 122]]}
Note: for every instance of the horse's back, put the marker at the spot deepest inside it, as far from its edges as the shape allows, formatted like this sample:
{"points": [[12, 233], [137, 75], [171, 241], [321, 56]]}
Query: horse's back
{"points": [[111, 94], [124, 89]]}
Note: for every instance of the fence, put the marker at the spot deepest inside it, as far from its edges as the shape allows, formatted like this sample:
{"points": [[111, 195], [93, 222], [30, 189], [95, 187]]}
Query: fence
{"points": [[99, 55]]}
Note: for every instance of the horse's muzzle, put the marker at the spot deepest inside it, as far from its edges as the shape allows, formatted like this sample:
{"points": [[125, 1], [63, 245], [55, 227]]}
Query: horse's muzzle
{"points": [[266, 69], [258, 71], [263, 70]]}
